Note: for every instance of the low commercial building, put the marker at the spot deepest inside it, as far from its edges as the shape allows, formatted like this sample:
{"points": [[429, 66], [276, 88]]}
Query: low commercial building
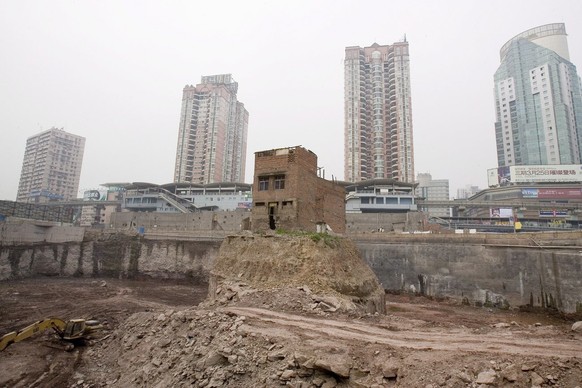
{"points": [[381, 205], [380, 196], [97, 214], [98, 206], [183, 197], [288, 193], [536, 195], [533, 204]]}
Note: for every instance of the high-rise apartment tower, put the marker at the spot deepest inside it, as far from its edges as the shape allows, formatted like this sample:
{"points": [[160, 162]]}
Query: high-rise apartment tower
{"points": [[52, 167], [212, 139], [538, 103], [378, 114]]}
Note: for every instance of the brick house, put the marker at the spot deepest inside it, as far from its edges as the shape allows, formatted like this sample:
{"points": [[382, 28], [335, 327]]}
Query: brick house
{"points": [[288, 194]]}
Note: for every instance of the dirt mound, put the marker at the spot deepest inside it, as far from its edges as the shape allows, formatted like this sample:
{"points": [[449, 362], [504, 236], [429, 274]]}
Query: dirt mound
{"points": [[329, 271]]}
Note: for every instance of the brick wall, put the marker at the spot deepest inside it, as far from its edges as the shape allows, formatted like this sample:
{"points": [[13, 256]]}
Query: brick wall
{"points": [[305, 200], [334, 205]]}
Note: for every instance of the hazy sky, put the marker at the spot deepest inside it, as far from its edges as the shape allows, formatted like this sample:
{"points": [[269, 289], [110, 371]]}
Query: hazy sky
{"points": [[113, 72]]}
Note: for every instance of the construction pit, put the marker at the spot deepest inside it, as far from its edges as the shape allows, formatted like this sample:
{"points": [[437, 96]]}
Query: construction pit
{"points": [[279, 311]]}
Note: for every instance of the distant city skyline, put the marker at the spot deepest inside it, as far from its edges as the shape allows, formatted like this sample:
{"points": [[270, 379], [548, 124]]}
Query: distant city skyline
{"points": [[468, 191], [378, 113], [120, 87]]}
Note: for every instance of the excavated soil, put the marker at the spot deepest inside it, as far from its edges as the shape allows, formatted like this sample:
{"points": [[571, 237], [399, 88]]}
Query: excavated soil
{"points": [[156, 337], [41, 361], [280, 312], [331, 268]]}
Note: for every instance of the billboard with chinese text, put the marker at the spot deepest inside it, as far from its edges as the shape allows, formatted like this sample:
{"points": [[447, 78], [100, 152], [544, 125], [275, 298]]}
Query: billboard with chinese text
{"points": [[503, 176], [551, 193]]}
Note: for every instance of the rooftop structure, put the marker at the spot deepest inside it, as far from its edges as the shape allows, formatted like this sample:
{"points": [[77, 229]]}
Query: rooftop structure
{"points": [[183, 197], [380, 196]]}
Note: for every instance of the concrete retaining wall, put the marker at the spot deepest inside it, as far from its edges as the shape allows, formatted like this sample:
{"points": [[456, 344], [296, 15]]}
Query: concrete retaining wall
{"points": [[119, 257], [41, 231], [499, 275], [502, 270], [488, 275]]}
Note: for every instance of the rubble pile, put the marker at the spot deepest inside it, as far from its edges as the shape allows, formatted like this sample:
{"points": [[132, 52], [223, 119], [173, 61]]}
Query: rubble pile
{"points": [[217, 348], [202, 348], [330, 270]]}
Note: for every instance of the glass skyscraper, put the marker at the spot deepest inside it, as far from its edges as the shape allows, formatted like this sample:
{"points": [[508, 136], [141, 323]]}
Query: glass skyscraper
{"points": [[538, 102]]}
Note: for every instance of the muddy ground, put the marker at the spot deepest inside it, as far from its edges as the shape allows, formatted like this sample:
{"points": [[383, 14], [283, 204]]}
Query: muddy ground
{"points": [[419, 342], [40, 361]]}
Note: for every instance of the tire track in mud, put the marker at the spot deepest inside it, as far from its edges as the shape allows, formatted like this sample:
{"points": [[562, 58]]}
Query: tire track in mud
{"points": [[451, 340]]}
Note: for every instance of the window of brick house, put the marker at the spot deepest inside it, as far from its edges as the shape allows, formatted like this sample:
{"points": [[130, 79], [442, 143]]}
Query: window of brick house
{"points": [[279, 182], [263, 183]]}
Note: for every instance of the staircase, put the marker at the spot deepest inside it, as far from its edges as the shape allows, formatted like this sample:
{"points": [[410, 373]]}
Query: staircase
{"points": [[174, 201]]}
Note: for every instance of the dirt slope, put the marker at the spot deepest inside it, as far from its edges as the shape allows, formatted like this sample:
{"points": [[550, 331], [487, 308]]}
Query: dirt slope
{"points": [[330, 266]]}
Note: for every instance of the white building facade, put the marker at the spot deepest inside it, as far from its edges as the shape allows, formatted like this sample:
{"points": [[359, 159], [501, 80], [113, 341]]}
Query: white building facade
{"points": [[380, 196], [434, 190]]}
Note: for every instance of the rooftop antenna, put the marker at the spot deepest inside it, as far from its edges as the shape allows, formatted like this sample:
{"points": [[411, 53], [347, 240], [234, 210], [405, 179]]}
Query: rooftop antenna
{"points": [[405, 37]]}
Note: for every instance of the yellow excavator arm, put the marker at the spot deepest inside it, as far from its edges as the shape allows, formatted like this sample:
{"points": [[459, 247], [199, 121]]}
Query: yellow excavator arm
{"points": [[56, 324], [73, 330]]}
